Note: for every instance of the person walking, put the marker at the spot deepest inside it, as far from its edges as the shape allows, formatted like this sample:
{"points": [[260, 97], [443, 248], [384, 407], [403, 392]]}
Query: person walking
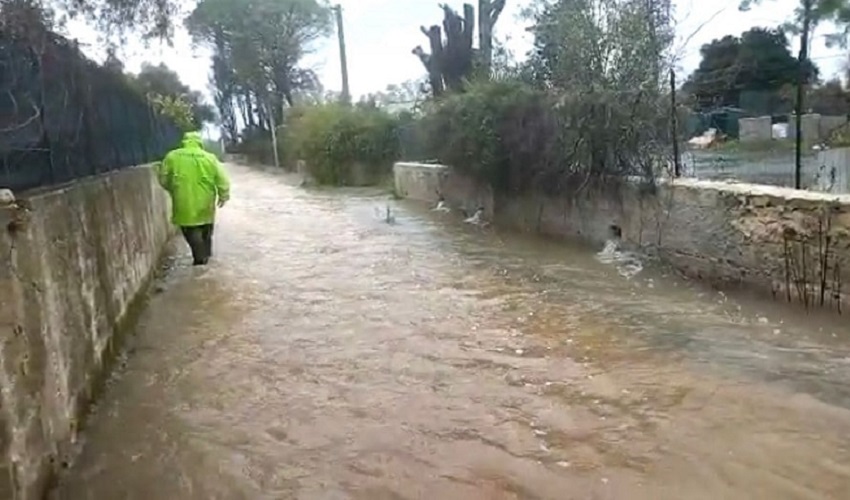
{"points": [[197, 183]]}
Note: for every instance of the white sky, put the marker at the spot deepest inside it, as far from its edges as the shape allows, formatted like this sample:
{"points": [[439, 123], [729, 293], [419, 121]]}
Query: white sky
{"points": [[381, 33]]}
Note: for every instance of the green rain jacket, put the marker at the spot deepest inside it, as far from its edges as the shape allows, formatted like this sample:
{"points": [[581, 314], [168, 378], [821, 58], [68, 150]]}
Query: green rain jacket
{"points": [[195, 180]]}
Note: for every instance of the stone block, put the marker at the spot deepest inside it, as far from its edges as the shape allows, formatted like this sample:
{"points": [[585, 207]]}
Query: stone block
{"points": [[755, 129], [811, 128]]}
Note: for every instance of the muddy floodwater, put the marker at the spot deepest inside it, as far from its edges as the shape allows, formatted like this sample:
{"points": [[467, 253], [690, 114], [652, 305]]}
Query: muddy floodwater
{"points": [[327, 354]]}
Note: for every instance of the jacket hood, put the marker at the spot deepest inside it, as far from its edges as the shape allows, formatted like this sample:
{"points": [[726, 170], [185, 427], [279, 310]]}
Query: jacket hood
{"points": [[193, 140]]}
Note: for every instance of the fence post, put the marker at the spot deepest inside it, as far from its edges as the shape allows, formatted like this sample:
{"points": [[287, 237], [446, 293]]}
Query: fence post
{"points": [[801, 80], [674, 125]]}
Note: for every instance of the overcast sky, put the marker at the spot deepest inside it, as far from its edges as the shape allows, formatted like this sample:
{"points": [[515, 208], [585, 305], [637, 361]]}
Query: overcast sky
{"points": [[381, 33]]}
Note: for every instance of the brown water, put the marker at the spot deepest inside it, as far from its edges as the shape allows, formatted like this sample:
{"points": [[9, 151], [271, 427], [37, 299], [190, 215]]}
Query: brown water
{"points": [[327, 354]]}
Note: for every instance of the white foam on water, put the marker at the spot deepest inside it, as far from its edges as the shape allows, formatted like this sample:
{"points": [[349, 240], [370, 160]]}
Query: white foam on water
{"points": [[476, 218], [628, 264], [441, 207]]}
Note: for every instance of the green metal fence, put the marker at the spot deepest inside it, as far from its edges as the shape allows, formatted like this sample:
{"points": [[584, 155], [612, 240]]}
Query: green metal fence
{"points": [[64, 117]]}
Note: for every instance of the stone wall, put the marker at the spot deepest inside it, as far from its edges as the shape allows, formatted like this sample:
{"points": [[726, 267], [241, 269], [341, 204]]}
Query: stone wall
{"points": [[75, 262], [793, 245]]}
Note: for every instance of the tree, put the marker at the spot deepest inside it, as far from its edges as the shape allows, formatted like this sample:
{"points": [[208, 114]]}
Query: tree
{"points": [[488, 13], [611, 44], [161, 82], [759, 61], [258, 46], [602, 65], [25, 19], [113, 62], [397, 97], [831, 98], [177, 108], [452, 61], [153, 18], [810, 13]]}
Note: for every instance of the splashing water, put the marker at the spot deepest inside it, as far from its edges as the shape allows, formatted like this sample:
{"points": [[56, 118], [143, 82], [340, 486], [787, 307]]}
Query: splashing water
{"points": [[476, 218], [441, 207], [386, 215], [628, 264]]}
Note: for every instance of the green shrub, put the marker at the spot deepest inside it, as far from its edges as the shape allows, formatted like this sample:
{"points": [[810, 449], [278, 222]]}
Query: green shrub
{"points": [[517, 137], [470, 130], [333, 139], [256, 145], [177, 109]]}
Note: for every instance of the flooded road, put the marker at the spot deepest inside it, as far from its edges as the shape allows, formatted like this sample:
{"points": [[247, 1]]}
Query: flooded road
{"points": [[326, 354]]}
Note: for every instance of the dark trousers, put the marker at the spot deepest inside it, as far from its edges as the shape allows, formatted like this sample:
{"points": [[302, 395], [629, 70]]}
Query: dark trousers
{"points": [[199, 239]]}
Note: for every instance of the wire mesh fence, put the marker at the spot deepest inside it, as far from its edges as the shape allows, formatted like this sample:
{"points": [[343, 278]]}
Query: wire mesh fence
{"points": [[756, 141], [771, 160], [64, 117]]}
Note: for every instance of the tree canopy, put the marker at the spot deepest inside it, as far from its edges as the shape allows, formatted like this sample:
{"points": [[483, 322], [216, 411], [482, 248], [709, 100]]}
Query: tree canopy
{"points": [[758, 61], [606, 43], [834, 11], [399, 97], [160, 81], [152, 18], [258, 47]]}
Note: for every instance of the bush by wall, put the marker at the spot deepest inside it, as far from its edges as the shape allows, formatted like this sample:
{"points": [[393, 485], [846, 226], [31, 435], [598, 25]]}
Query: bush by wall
{"points": [[256, 145], [334, 140], [517, 137]]}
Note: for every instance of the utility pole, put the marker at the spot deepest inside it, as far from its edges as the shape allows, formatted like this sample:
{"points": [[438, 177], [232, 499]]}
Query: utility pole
{"points": [[674, 125], [801, 81], [343, 60], [273, 126]]}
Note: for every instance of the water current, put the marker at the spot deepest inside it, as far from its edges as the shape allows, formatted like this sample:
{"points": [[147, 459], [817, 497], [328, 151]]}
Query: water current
{"points": [[331, 353]]}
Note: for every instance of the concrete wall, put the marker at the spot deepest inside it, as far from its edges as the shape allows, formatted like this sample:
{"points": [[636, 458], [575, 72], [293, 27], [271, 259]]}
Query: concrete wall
{"points": [[74, 263], [816, 127], [755, 129], [828, 124], [760, 237], [428, 182]]}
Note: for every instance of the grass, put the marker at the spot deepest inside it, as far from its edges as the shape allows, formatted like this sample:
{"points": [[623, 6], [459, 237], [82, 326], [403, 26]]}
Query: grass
{"points": [[768, 146]]}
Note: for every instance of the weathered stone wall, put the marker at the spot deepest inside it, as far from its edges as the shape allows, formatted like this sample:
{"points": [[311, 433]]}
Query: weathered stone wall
{"points": [[792, 244], [74, 262]]}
